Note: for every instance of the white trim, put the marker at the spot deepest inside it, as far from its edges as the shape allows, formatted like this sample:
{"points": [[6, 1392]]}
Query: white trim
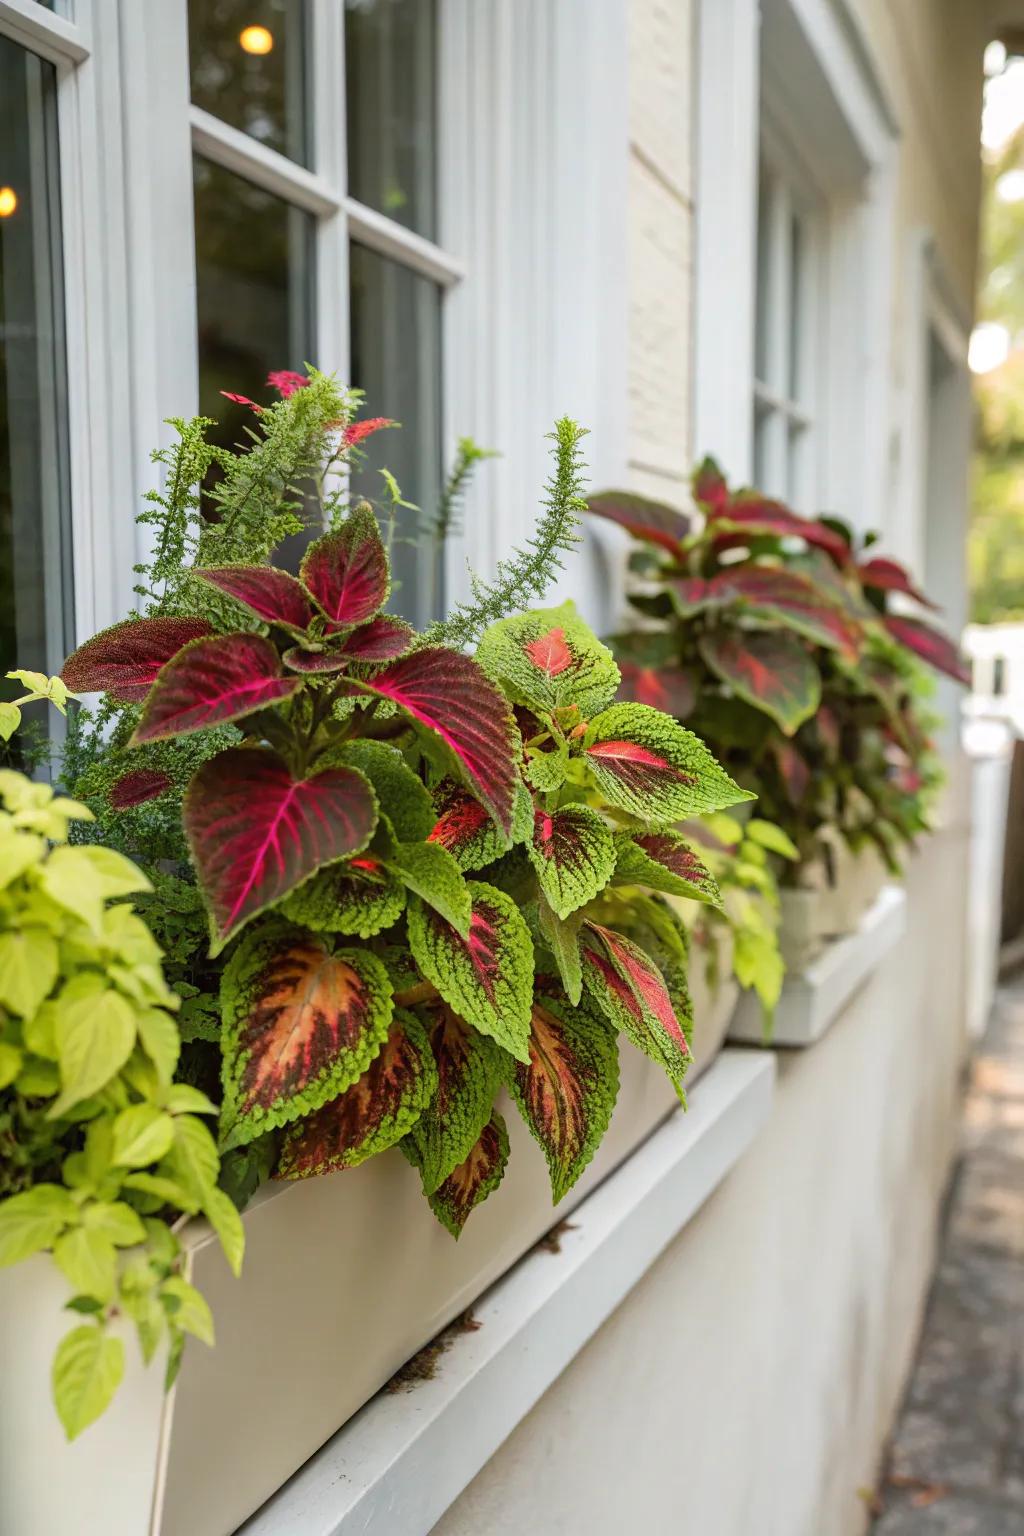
{"points": [[44, 32], [245, 156], [401, 1462], [387, 238]]}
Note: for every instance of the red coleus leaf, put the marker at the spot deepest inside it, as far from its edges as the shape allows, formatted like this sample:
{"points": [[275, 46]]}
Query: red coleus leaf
{"points": [[124, 661], [663, 861], [666, 688], [573, 852], [451, 694], [376, 1112], [286, 381], [567, 1090], [755, 517], [465, 829], [297, 659], [772, 670], [889, 576], [357, 431], [272, 595], [137, 787], [474, 1179], [794, 599], [630, 991], [383, 639], [709, 487], [212, 681], [301, 1024], [650, 521], [256, 832], [347, 570], [931, 645], [470, 1070]]}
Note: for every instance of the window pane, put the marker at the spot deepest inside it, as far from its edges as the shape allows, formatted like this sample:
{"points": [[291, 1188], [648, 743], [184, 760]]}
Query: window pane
{"points": [[390, 100], [797, 309], [254, 280], [761, 359], [396, 360], [35, 547], [248, 64]]}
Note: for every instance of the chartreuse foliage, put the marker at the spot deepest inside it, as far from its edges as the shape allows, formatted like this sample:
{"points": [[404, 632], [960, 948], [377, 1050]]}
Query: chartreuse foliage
{"points": [[96, 1134]]}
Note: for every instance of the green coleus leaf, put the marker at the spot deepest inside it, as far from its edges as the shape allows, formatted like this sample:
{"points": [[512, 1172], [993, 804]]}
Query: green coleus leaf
{"points": [[767, 835], [664, 861], [28, 969], [567, 1091], [87, 1371], [33, 1220], [431, 872], [377, 1111], [647, 764], [403, 798], [192, 1161], [187, 1308], [115, 1221], [468, 1185], [549, 658], [470, 1069], [358, 897], [573, 852], [142, 1135], [772, 670], [95, 1029], [161, 1041], [301, 1023], [547, 769], [562, 936], [464, 829], [89, 1261], [630, 991], [486, 977], [223, 1216]]}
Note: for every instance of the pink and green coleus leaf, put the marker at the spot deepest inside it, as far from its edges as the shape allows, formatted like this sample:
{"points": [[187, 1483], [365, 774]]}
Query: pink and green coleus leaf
{"points": [[649, 663], [256, 832], [772, 670], [302, 659], [373, 1114], [138, 786], [663, 861], [630, 991], [272, 595], [709, 486], [357, 897], [931, 645], [464, 828], [453, 698], [551, 660], [573, 853], [487, 977], [468, 1185], [567, 1090], [470, 1070], [124, 660], [649, 765], [754, 517], [346, 571], [889, 576], [651, 521], [213, 681], [794, 599], [301, 1025]]}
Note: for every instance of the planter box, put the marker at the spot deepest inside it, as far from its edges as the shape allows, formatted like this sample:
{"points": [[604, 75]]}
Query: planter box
{"points": [[712, 1009], [820, 909]]}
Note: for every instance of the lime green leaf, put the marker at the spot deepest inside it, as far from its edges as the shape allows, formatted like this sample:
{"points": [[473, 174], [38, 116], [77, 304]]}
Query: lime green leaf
{"points": [[28, 969], [183, 1099], [10, 719], [160, 1040], [223, 1216], [88, 1260], [432, 873], [142, 1135], [95, 1035], [115, 875], [187, 1308], [116, 1221], [193, 1158], [18, 852], [87, 1370], [167, 1191], [768, 835], [10, 1063], [69, 879], [33, 1220]]}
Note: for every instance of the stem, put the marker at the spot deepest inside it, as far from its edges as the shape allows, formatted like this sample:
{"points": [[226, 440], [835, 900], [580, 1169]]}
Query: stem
{"points": [[423, 992]]}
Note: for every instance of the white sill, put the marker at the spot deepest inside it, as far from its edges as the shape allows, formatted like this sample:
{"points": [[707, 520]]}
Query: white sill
{"points": [[402, 1461], [813, 1000]]}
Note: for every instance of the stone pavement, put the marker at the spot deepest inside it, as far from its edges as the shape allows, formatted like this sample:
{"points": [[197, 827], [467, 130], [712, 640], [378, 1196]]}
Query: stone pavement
{"points": [[956, 1459]]}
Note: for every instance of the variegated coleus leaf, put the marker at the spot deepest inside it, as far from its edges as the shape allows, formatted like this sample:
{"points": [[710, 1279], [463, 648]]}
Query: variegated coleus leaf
{"points": [[468, 1185], [465, 714], [651, 521], [647, 764], [272, 595], [663, 861], [567, 1090], [210, 682], [753, 517], [255, 832], [709, 486], [884, 575], [551, 660], [470, 1070], [793, 769], [301, 1024], [931, 645], [486, 977], [794, 599], [772, 670], [573, 852], [373, 1114], [651, 674], [466, 831], [124, 660], [346, 571], [630, 991], [359, 897]]}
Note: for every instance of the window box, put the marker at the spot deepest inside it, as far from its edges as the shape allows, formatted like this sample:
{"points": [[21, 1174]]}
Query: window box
{"points": [[829, 903]]}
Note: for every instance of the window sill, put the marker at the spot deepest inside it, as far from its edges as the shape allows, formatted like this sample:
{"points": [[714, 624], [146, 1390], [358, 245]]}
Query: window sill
{"points": [[405, 1458], [811, 1002]]}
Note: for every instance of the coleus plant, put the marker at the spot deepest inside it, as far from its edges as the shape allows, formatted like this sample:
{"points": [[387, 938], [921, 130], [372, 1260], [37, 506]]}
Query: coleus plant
{"points": [[429, 875]]}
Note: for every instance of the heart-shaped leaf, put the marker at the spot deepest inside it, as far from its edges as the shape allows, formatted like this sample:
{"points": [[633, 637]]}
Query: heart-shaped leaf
{"points": [[377, 1111], [468, 1185], [931, 645], [651, 521], [470, 1070], [567, 1091], [383, 639], [301, 1025], [654, 768], [210, 682], [347, 571], [137, 787], [775, 672], [272, 595], [256, 832], [551, 660], [630, 991], [124, 661], [663, 861], [573, 852], [451, 695]]}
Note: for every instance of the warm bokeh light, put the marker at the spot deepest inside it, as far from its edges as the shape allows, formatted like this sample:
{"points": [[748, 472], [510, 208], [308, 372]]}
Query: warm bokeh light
{"points": [[258, 40], [8, 202], [989, 347]]}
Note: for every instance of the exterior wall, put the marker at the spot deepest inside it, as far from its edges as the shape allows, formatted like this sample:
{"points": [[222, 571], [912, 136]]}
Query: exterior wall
{"points": [[749, 1380]]}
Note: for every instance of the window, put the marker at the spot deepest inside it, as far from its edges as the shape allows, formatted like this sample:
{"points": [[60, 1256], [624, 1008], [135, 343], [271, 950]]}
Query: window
{"points": [[35, 548], [316, 228]]}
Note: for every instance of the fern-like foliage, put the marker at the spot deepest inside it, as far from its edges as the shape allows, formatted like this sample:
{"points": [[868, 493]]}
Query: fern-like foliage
{"points": [[468, 455], [525, 577]]}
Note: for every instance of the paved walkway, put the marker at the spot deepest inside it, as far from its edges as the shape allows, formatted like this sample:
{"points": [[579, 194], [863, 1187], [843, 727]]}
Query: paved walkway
{"points": [[956, 1463]]}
